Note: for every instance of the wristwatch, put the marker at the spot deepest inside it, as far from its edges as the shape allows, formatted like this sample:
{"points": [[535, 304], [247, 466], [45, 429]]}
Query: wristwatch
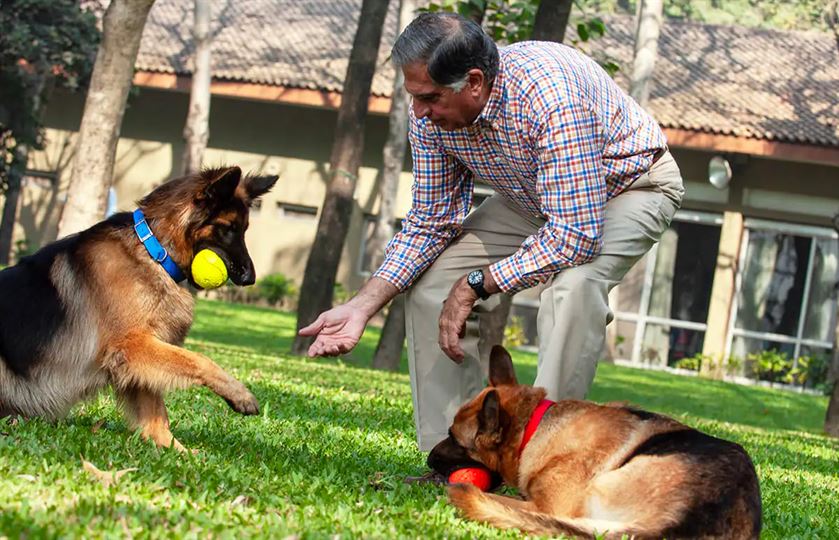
{"points": [[475, 279]]}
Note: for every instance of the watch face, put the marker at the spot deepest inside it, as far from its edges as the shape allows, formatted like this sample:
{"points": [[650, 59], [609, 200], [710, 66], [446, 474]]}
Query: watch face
{"points": [[475, 277]]}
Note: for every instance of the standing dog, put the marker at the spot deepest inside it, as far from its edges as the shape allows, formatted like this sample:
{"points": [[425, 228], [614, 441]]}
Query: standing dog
{"points": [[592, 469], [96, 309]]}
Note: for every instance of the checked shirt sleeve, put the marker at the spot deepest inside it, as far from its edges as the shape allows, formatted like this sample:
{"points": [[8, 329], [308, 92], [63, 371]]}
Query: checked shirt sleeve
{"points": [[572, 189], [441, 198]]}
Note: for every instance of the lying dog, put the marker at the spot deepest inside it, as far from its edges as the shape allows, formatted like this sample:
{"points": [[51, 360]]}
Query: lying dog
{"points": [[103, 307], [587, 469]]}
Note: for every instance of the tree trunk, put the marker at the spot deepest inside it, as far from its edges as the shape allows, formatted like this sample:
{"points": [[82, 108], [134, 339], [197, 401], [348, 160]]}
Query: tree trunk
{"points": [[389, 350], [388, 353], [831, 420], [648, 27], [551, 20], [322, 265], [17, 169], [197, 128], [93, 164]]}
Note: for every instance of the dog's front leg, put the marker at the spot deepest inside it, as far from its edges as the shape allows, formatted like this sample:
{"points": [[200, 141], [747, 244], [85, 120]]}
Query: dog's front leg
{"points": [[147, 412], [147, 362]]}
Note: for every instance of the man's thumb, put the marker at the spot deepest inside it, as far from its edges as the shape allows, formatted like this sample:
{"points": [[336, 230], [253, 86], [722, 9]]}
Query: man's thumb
{"points": [[314, 328]]}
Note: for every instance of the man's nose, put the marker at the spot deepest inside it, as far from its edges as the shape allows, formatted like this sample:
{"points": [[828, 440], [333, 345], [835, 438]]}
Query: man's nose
{"points": [[420, 110]]}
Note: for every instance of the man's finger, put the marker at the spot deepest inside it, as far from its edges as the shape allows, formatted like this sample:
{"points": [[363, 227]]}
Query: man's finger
{"points": [[314, 328]]}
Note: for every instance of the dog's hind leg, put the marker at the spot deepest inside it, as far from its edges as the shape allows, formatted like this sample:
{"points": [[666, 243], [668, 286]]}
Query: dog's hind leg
{"points": [[147, 412], [145, 361]]}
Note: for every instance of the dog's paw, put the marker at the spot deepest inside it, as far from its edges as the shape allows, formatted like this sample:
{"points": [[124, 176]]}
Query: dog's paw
{"points": [[462, 492], [243, 402]]}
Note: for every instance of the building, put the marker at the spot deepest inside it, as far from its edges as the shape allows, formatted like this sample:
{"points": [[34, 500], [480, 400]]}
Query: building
{"points": [[745, 267]]}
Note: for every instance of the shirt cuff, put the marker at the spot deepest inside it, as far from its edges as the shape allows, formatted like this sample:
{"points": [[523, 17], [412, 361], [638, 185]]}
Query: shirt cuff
{"points": [[396, 273], [508, 276]]}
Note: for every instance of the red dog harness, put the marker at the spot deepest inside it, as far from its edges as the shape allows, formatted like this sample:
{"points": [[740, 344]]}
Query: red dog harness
{"points": [[533, 423]]}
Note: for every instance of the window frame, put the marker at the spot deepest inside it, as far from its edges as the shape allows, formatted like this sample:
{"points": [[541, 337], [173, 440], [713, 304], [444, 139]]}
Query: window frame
{"points": [[811, 231]]}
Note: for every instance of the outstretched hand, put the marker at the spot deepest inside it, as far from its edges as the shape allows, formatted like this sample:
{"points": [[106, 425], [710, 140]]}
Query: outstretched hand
{"points": [[337, 331]]}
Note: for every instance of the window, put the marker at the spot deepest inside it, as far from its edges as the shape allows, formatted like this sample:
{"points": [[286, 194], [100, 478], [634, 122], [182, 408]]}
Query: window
{"points": [[785, 290], [662, 303], [296, 211]]}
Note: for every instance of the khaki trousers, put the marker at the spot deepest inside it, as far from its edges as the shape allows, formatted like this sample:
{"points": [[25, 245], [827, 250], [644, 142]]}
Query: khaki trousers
{"points": [[573, 309]]}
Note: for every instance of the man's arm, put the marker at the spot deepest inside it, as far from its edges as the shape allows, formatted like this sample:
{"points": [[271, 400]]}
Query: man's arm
{"points": [[338, 330], [572, 189], [441, 198], [442, 195]]}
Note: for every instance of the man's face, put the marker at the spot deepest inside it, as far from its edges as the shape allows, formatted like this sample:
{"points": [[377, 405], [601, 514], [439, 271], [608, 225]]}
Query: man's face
{"points": [[447, 109]]}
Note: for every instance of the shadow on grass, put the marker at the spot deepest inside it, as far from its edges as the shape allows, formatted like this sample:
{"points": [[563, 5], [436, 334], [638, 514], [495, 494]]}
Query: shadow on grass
{"points": [[272, 332]]}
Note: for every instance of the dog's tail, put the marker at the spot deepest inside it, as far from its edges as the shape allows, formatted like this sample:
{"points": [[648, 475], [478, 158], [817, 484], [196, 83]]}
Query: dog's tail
{"points": [[492, 509]]}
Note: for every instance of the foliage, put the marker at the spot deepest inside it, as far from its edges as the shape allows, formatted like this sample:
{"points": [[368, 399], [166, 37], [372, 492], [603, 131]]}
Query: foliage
{"points": [[42, 43], [780, 14], [327, 454], [22, 249], [276, 288], [514, 335], [510, 21], [771, 365], [340, 294], [775, 366], [691, 363], [809, 370]]}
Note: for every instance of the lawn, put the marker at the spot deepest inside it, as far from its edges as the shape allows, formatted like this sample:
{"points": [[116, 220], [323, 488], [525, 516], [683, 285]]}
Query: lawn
{"points": [[328, 452]]}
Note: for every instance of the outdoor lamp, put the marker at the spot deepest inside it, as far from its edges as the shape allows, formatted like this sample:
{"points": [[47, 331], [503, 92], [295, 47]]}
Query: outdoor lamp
{"points": [[719, 172]]}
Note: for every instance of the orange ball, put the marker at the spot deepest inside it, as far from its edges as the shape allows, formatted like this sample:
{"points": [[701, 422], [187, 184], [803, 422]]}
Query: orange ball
{"points": [[478, 476]]}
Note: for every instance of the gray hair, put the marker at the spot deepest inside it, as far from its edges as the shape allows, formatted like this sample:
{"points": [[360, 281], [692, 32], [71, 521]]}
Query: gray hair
{"points": [[450, 45]]}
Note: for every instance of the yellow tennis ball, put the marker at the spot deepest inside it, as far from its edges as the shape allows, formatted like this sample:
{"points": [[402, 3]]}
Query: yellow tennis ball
{"points": [[208, 270]]}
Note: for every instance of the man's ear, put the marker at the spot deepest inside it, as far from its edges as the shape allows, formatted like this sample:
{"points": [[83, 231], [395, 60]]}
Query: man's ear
{"points": [[475, 82], [257, 186], [222, 188], [501, 367], [493, 419]]}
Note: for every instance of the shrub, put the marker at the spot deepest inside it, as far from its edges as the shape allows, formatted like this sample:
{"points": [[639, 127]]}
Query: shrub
{"points": [[771, 365], [275, 288], [809, 370], [514, 333], [340, 294], [692, 363], [734, 365]]}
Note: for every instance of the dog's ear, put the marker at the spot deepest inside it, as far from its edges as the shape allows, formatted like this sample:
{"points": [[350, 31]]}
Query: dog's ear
{"points": [[223, 186], [501, 367], [493, 419], [257, 186]]}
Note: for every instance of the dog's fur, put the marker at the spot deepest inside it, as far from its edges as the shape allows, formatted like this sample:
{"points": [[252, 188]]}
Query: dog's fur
{"points": [[95, 309], [593, 469]]}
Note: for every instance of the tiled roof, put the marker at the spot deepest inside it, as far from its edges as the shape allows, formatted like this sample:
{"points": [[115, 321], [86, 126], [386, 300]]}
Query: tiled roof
{"points": [[745, 82], [294, 43]]}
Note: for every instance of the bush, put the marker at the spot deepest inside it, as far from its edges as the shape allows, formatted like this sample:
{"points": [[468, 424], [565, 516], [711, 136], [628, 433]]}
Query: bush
{"points": [[514, 333], [809, 371], [275, 289], [340, 294], [771, 365], [692, 363]]}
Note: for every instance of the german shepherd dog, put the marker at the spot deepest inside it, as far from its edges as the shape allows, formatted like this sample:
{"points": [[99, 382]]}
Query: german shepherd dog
{"points": [[95, 309], [591, 469]]}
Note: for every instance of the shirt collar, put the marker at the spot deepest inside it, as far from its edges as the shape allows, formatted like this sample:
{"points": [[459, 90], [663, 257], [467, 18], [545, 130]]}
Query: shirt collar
{"points": [[494, 104]]}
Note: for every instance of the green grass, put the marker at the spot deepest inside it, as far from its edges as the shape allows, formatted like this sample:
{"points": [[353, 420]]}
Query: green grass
{"points": [[334, 439]]}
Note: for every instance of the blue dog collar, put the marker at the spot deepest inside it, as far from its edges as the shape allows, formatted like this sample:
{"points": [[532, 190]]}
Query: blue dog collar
{"points": [[157, 252]]}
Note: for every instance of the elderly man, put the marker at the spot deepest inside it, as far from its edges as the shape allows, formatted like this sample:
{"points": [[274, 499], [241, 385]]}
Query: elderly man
{"points": [[584, 186]]}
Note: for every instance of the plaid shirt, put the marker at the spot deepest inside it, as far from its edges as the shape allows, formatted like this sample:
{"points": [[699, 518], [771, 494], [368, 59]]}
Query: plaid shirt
{"points": [[557, 137]]}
